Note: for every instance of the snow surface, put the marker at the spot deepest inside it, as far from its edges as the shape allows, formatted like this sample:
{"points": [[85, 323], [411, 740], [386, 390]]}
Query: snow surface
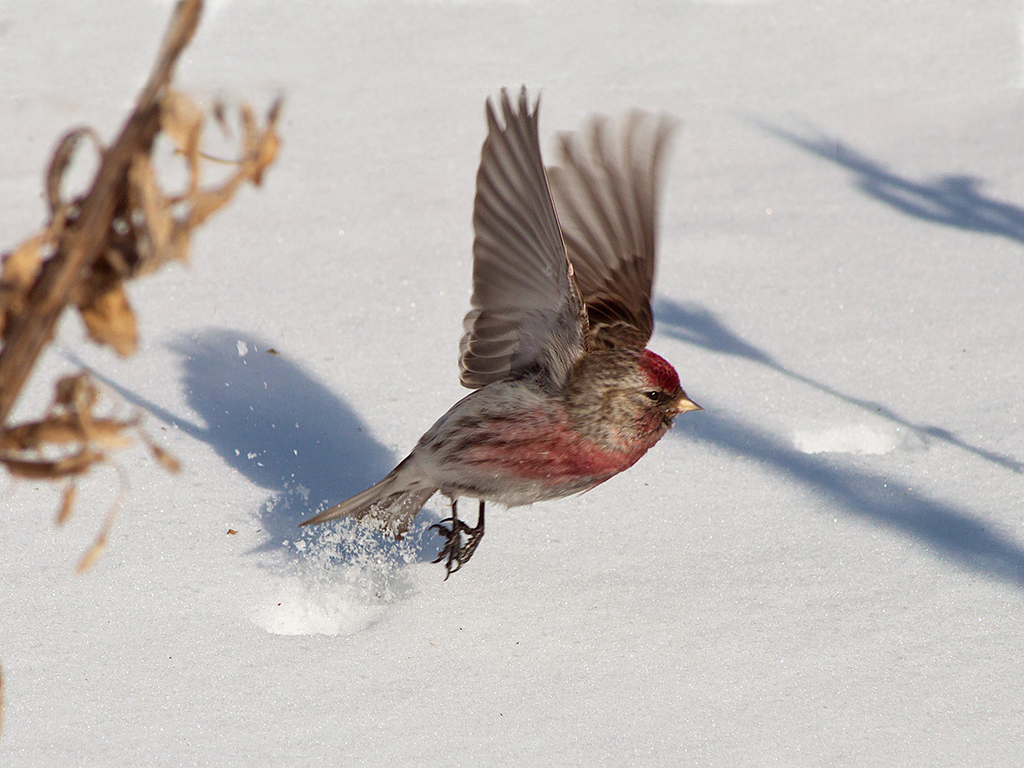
{"points": [[825, 567]]}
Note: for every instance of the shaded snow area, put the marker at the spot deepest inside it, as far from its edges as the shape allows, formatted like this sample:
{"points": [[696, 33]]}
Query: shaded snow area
{"points": [[825, 567]]}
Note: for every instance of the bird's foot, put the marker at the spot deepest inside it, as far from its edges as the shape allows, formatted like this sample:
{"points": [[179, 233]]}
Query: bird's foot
{"points": [[454, 552]]}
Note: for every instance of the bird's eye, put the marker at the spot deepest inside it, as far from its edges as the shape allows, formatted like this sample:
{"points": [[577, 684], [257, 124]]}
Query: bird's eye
{"points": [[652, 394]]}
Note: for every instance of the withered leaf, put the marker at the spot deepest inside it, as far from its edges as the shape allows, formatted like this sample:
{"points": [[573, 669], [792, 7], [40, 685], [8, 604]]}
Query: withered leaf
{"points": [[94, 553], [42, 469], [121, 258], [165, 459], [60, 429], [75, 391], [108, 432], [265, 155], [67, 503], [25, 437], [22, 265], [248, 120], [182, 120], [275, 111], [156, 224], [177, 247], [206, 202], [270, 142], [108, 317], [259, 150]]}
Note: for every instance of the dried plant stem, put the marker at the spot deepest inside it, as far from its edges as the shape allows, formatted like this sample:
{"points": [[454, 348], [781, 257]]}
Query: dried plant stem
{"points": [[81, 244], [124, 227]]}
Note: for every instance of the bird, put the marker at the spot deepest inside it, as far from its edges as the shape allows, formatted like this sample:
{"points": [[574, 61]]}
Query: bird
{"points": [[565, 393]]}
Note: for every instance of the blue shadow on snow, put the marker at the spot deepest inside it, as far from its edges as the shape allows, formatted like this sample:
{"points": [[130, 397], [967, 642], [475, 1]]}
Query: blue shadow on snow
{"points": [[953, 200], [271, 421], [956, 535], [694, 324]]}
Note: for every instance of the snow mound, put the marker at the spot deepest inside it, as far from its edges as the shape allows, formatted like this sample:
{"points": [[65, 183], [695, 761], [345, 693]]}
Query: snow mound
{"points": [[849, 438], [341, 581]]}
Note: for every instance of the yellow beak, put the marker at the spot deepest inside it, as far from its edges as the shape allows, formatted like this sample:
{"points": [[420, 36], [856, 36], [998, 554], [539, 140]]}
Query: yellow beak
{"points": [[684, 404]]}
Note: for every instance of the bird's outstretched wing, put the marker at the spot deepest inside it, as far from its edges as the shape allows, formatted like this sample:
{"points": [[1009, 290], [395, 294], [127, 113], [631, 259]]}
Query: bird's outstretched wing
{"points": [[605, 189], [527, 316]]}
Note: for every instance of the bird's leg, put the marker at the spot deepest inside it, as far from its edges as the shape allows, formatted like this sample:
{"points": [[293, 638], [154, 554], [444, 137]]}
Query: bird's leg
{"points": [[454, 550], [473, 536]]}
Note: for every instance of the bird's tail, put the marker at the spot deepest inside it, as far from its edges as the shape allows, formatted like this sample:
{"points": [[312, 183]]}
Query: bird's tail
{"points": [[390, 505]]}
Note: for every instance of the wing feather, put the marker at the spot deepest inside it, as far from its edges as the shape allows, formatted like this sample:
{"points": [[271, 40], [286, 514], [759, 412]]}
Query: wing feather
{"points": [[527, 316], [605, 189]]}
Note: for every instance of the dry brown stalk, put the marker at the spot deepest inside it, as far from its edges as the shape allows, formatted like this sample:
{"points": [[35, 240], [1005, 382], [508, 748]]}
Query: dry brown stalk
{"points": [[123, 227]]}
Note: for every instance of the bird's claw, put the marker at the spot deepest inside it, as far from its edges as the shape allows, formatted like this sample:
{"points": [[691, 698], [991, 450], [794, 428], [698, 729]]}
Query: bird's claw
{"points": [[454, 552]]}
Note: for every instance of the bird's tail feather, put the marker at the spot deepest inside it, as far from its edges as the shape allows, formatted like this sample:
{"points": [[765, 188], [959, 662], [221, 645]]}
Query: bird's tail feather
{"points": [[390, 505]]}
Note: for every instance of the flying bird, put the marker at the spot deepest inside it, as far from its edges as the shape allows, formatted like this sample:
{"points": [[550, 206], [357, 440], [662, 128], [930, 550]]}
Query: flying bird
{"points": [[566, 395]]}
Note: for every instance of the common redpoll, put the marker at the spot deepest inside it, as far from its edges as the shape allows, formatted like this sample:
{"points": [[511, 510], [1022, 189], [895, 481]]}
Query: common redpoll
{"points": [[566, 394]]}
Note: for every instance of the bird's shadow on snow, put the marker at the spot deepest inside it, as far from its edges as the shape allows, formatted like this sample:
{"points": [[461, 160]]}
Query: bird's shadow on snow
{"points": [[275, 424], [286, 432], [955, 534], [953, 200]]}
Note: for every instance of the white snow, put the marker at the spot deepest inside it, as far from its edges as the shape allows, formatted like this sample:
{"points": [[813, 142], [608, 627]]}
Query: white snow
{"points": [[825, 567], [849, 438]]}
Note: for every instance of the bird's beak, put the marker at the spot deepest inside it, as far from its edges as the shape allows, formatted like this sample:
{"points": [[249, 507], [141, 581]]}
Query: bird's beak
{"points": [[684, 404]]}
